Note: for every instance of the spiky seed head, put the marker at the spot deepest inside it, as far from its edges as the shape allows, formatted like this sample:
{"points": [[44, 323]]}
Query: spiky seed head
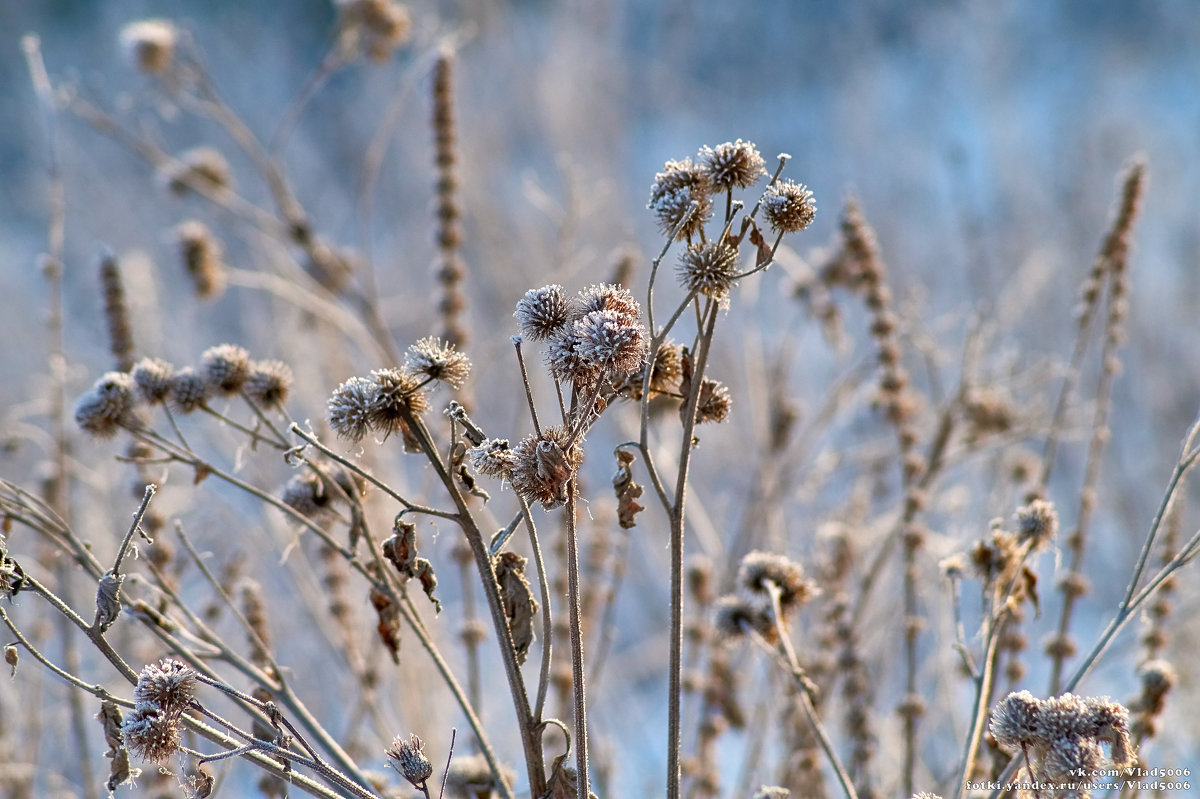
{"points": [[709, 268], [567, 359], [732, 165], [544, 312], [674, 190], [610, 342], [609, 297], [493, 457], [1015, 720], [268, 383], [169, 684], [734, 617], [150, 733], [788, 206], [545, 464], [438, 360], [408, 757], [107, 405], [225, 367], [1037, 524], [152, 376], [350, 407], [396, 392], [149, 44], [189, 390], [760, 568], [306, 494]]}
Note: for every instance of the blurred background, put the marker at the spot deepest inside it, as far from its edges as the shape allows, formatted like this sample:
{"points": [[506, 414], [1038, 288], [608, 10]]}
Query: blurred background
{"points": [[982, 140]]}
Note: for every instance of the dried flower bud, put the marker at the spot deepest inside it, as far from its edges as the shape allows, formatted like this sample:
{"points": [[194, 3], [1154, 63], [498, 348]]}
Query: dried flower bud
{"points": [[545, 464], [11, 656], [108, 405], [199, 168], [732, 165], [396, 394], [225, 368], [189, 390], [1015, 720], [675, 189], [372, 29], [494, 457], [437, 360], [201, 254], [543, 313], [733, 617], [268, 383], [108, 600], [409, 759], [350, 407], [709, 268], [149, 44], [788, 206], [152, 376]]}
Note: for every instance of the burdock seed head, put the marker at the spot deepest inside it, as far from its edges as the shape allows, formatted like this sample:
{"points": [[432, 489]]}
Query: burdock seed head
{"points": [[152, 376], [709, 268], [732, 164], [396, 392], [350, 407], [714, 402], [372, 28], [609, 297], [1015, 720], [609, 341], [437, 360], [1037, 524], [788, 206], [189, 390], [675, 189], [169, 684], [151, 734], [543, 313], [409, 759], [268, 383], [494, 457], [149, 44], [545, 464], [104, 408], [225, 367], [759, 569]]}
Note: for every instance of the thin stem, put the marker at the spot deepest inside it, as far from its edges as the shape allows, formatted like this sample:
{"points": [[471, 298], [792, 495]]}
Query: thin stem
{"points": [[137, 522], [547, 621], [576, 622]]}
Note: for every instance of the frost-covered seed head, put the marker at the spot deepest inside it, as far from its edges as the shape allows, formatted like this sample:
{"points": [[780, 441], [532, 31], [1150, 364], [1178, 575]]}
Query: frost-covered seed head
{"points": [[151, 734], [396, 393], [732, 165], [189, 390], [350, 407], [200, 167], [609, 297], [709, 268], [409, 759], [544, 312], [152, 376], [714, 402], [607, 340], [494, 457], [545, 464], [758, 569], [106, 406], [268, 383], [1015, 720], [306, 494], [169, 684], [437, 360], [788, 206], [225, 367], [674, 190], [1037, 523]]}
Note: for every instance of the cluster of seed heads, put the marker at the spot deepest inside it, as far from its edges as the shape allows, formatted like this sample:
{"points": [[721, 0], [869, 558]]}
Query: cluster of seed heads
{"points": [[164, 691], [760, 575], [224, 371]]}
